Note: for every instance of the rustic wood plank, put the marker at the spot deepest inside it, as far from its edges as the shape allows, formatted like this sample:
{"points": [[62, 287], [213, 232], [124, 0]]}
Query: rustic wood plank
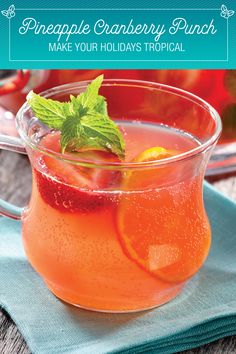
{"points": [[15, 178], [15, 186], [11, 340]]}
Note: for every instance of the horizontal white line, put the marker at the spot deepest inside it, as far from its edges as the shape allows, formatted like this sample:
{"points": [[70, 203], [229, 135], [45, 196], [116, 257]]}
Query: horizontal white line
{"points": [[113, 9], [163, 60]]}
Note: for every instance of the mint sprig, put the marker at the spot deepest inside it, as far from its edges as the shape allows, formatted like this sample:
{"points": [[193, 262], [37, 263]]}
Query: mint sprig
{"points": [[51, 113], [83, 121]]}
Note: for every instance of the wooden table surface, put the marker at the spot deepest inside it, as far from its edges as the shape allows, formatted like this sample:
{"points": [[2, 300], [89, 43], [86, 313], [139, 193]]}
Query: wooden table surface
{"points": [[15, 184]]}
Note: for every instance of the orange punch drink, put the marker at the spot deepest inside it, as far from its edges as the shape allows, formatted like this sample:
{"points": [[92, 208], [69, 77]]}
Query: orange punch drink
{"points": [[116, 220]]}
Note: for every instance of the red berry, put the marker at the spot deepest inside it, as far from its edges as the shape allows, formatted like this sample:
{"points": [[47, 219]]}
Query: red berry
{"points": [[68, 198], [73, 188]]}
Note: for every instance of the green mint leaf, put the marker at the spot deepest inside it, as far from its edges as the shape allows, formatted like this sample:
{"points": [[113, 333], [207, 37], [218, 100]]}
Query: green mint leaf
{"points": [[104, 132], [50, 112], [92, 132], [71, 134], [73, 137], [76, 107], [101, 105], [83, 121], [88, 98]]}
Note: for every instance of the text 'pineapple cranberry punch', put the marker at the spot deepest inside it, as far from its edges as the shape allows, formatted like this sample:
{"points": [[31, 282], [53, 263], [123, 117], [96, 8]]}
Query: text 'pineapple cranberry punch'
{"points": [[116, 220]]}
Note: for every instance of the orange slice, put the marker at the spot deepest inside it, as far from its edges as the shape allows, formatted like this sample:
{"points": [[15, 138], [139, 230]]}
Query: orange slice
{"points": [[154, 153], [158, 227], [149, 176]]}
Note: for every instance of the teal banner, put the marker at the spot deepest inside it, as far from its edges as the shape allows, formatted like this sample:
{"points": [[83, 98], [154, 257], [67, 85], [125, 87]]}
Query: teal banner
{"points": [[103, 37]]}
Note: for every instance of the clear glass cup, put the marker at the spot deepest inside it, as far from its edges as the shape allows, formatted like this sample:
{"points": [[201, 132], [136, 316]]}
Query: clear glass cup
{"points": [[131, 241]]}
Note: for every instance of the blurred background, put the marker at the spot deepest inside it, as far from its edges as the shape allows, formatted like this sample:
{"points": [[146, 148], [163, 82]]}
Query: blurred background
{"points": [[217, 87]]}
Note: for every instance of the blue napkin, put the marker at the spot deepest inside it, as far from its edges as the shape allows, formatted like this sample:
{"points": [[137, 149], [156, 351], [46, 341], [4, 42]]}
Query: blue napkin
{"points": [[204, 312]]}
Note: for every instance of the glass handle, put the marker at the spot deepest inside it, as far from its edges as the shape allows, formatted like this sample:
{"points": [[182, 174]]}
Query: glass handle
{"points": [[12, 144], [223, 159]]}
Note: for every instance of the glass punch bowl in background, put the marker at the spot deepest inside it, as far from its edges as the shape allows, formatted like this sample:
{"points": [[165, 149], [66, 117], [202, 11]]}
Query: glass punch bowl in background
{"points": [[217, 87]]}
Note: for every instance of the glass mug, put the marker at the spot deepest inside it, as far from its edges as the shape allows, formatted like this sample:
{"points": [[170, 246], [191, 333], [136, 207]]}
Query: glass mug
{"points": [[131, 242]]}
